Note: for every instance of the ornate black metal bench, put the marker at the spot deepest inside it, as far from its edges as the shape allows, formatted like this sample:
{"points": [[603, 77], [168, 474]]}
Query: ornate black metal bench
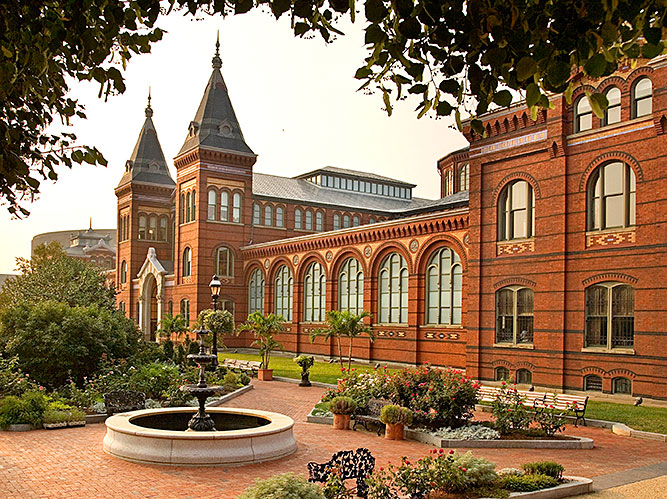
{"points": [[371, 414], [124, 401], [352, 464]]}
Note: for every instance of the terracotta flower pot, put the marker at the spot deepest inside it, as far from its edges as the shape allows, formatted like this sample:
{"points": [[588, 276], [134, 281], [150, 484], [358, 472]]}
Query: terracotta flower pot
{"points": [[265, 374], [393, 431], [341, 421]]}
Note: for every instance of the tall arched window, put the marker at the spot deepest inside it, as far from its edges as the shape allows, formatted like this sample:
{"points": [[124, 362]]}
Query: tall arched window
{"points": [[336, 221], [583, 115], [256, 214], [611, 197], [123, 272], [187, 207], [142, 227], [464, 177], [309, 220], [182, 220], [162, 234], [224, 262], [268, 215], [224, 206], [610, 315], [280, 217], [256, 292], [514, 315], [193, 206], [283, 291], [642, 98], [516, 214], [444, 286], [356, 221], [346, 221], [187, 262], [185, 309], [613, 112], [351, 286], [212, 204], [297, 218], [236, 208], [121, 307], [314, 292], [152, 228], [319, 221], [393, 290]]}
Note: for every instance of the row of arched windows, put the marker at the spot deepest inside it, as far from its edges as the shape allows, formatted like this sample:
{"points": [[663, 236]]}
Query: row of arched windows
{"points": [[219, 207], [443, 294], [641, 101], [188, 206], [153, 227], [304, 219], [591, 382], [462, 183], [267, 216]]}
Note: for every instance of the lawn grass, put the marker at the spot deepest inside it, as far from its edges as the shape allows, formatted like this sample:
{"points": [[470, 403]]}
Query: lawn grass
{"points": [[642, 418]]}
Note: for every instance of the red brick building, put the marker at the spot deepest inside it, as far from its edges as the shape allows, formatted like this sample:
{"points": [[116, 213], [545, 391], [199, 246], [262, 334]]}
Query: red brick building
{"points": [[544, 258]]}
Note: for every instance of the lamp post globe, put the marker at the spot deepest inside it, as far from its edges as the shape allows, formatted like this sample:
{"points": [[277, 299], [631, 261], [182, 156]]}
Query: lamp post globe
{"points": [[215, 286]]}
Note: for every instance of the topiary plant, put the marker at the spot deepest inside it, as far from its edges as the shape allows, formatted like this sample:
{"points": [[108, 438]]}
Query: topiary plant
{"points": [[342, 405], [393, 414], [527, 483], [287, 485]]}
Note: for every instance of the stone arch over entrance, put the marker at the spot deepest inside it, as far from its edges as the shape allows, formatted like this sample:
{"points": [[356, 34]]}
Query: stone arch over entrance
{"points": [[151, 297]]}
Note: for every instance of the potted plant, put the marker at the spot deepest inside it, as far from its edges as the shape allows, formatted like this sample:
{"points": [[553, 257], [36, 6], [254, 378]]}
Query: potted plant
{"points": [[264, 327], [305, 362], [342, 408], [395, 418]]}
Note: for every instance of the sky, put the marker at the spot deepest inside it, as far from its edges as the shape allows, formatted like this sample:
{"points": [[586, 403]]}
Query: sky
{"points": [[296, 100]]}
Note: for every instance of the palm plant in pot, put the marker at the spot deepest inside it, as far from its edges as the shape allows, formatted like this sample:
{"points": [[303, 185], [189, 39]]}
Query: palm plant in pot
{"points": [[305, 362], [395, 419], [264, 327], [342, 409]]}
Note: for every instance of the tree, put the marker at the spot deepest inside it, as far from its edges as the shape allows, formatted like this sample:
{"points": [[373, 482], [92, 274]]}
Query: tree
{"points": [[264, 327], [172, 324], [219, 321], [52, 275], [344, 324]]}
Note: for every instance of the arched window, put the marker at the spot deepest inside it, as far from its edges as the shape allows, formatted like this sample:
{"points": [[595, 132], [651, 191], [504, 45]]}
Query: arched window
{"points": [[224, 206], [611, 197], [256, 292], [610, 315], [268, 215], [393, 290], [524, 377], [162, 234], [444, 288], [185, 309], [309, 220], [351, 286], [371, 220], [193, 206], [142, 227], [123, 272], [182, 220], [464, 177], [642, 98], [236, 208], [224, 262], [514, 315], [319, 221], [501, 374], [613, 112], [621, 385], [356, 221], [187, 207], [152, 228], [314, 291], [336, 221], [256, 214], [187, 262], [283, 291], [346, 221], [121, 307], [297, 218], [212, 204], [583, 115], [280, 217], [592, 383], [516, 214]]}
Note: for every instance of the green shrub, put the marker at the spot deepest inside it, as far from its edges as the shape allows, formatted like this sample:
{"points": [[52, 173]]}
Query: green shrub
{"points": [[342, 405], [168, 349], [285, 486], [179, 355], [175, 397], [230, 381], [27, 409], [393, 414], [549, 468], [550, 419], [527, 483], [52, 416], [508, 410], [154, 379], [12, 380], [244, 379]]}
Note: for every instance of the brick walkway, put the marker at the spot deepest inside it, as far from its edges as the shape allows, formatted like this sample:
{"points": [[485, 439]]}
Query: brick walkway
{"points": [[71, 463]]}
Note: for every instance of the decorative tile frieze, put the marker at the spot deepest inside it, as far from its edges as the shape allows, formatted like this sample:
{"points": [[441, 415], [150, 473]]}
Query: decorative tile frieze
{"points": [[515, 248], [610, 238], [441, 335], [391, 334]]}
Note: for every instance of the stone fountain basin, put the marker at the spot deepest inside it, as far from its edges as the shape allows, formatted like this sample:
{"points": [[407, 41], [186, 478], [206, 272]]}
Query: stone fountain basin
{"points": [[129, 441]]}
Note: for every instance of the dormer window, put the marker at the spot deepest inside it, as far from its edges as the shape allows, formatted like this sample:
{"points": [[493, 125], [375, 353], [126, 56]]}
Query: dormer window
{"points": [[128, 165], [193, 128], [225, 130]]}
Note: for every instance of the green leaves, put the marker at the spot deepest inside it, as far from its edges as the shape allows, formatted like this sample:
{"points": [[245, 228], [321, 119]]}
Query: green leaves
{"points": [[503, 98], [375, 10], [598, 103], [525, 68], [596, 66]]}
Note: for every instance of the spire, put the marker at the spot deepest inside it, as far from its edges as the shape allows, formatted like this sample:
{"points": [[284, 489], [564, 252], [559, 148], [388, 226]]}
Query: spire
{"points": [[149, 109], [215, 125]]}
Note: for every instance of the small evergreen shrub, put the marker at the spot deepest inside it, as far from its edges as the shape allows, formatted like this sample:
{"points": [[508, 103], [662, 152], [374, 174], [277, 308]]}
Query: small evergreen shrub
{"points": [[342, 405], [230, 381], [285, 486], [549, 468], [244, 379], [27, 409], [527, 483], [393, 414]]}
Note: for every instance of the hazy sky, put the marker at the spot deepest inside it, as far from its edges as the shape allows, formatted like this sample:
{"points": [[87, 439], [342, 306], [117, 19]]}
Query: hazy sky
{"points": [[295, 99]]}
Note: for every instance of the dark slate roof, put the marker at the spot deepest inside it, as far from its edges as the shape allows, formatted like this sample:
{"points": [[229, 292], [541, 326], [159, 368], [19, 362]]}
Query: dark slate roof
{"points": [[355, 173], [300, 190], [147, 164], [215, 125]]}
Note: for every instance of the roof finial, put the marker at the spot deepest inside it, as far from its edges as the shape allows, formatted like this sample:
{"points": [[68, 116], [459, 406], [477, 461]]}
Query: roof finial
{"points": [[149, 109], [217, 62], [90, 227]]}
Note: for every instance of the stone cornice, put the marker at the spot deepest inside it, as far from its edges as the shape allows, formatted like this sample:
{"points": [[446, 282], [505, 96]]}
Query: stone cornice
{"points": [[217, 156]]}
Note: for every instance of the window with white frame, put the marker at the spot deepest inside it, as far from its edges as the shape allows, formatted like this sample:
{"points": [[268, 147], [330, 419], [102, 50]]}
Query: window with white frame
{"points": [[444, 288], [514, 315], [610, 315], [123, 272], [256, 214], [309, 220], [464, 177], [319, 221], [187, 262], [351, 286], [613, 112], [185, 309], [611, 197], [283, 293], [280, 217], [516, 214], [212, 204], [236, 207], [224, 262], [642, 98], [142, 227], [583, 115], [297, 218], [224, 206], [314, 291], [268, 215], [393, 290]]}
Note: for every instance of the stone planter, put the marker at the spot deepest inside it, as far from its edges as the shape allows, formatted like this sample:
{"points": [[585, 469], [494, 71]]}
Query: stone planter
{"points": [[54, 426], [20, 427], [341, 421], [265, 374], [76, 423], [305, 381], [393, 431]]}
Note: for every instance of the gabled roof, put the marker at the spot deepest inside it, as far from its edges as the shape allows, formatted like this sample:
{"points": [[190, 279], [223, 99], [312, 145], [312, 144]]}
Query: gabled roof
{"points": [[147, 164], [215, 125], [355, 173]]}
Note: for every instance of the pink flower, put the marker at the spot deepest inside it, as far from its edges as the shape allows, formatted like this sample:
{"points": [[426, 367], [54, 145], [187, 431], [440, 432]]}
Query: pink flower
{"points": [[451, 451], [41, 388]]}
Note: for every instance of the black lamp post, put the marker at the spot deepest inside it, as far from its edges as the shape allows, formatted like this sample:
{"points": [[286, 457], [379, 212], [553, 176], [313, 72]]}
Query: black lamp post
{"points": [[215, 286]]}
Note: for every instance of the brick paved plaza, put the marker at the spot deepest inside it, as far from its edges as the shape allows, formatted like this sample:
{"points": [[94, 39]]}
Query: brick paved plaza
{"points": [[71, 463]]}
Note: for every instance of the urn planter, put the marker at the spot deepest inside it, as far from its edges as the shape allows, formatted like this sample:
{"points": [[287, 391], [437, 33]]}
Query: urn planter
{"points": [[265, 374], [393, 431], [341, 421], [305, 381]]}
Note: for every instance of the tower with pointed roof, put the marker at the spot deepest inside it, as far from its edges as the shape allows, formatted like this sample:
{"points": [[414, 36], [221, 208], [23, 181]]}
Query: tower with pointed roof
{"points": [[145, 220]]}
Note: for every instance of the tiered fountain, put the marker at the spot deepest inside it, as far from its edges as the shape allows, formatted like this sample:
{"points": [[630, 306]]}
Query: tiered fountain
{"points": [[203, 436]]}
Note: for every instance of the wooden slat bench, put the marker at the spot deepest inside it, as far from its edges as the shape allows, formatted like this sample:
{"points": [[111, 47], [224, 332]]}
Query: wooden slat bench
{"points": [[250, 366], [371, 414]]}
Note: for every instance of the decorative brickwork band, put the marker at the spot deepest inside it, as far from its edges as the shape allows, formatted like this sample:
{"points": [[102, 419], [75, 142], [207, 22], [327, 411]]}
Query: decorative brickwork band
{"points": [[609, 276], [520, 281], [392, 334], [512, 248], [611, 156], [517, 176], [610, 239], [435, 335]]}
